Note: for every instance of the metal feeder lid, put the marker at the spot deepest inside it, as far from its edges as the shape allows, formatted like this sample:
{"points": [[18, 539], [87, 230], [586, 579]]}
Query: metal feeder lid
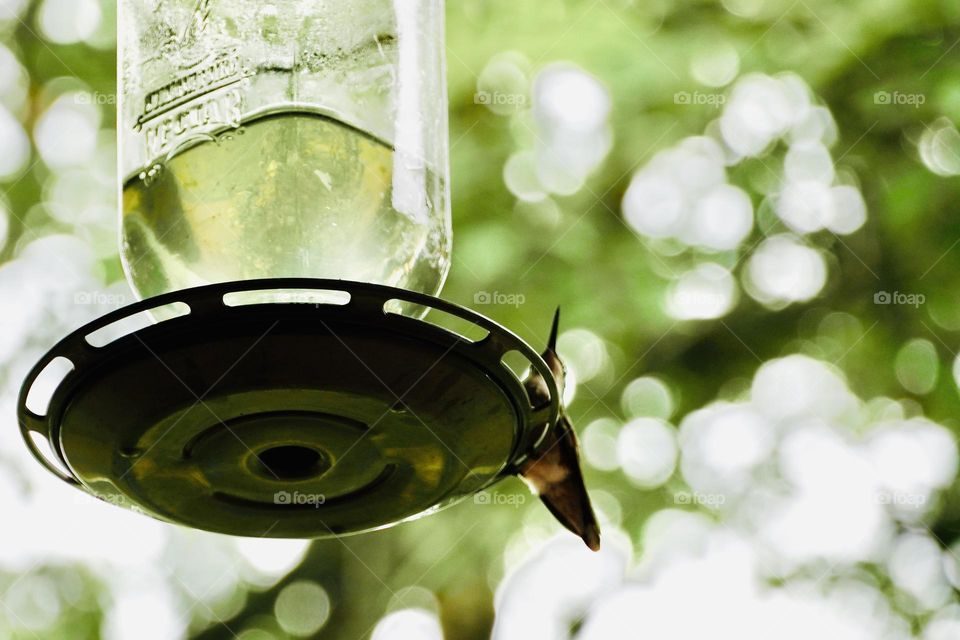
{"points": [[287, 419]]}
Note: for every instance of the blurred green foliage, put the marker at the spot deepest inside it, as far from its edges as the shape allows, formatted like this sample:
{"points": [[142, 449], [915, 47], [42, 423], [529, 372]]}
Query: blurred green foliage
{"points": [[582, 256]]}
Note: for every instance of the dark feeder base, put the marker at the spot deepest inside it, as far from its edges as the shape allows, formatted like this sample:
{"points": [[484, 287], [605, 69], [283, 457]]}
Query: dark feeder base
{"points": [[289, 419]]}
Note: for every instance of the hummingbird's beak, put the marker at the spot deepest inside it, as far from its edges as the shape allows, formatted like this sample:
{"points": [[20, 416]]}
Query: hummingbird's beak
{"points": [[550, 355], [552, 342]]}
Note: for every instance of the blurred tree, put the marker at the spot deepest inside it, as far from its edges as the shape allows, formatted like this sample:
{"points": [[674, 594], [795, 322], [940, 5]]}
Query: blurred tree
{"points": [[579, 251]]}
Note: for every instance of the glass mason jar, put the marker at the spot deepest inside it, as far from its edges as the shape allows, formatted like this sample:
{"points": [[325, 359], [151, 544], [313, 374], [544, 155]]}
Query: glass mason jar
{"points": [[286, 138]]}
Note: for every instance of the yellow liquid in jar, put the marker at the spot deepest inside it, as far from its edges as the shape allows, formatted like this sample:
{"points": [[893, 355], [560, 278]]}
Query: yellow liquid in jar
{"points": [[291, 194]]}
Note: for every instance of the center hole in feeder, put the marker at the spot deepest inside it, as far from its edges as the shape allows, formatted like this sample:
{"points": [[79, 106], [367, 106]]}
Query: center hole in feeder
{"points": [[292, 462]]}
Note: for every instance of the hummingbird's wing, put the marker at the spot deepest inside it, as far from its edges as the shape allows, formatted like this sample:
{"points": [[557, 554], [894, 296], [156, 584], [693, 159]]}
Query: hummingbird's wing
{"points": [[554, 474]]}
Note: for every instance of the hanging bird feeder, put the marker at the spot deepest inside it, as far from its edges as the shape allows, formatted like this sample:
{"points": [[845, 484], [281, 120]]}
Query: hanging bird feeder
{"points": [[285, 218]]}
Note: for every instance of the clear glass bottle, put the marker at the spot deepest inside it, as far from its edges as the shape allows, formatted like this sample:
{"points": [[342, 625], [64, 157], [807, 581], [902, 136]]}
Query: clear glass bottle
{"points": [[286, 138]]}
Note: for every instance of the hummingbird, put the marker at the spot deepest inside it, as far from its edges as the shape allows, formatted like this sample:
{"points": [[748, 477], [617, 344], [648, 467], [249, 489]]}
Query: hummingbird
{"points": [[553, 470]]}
